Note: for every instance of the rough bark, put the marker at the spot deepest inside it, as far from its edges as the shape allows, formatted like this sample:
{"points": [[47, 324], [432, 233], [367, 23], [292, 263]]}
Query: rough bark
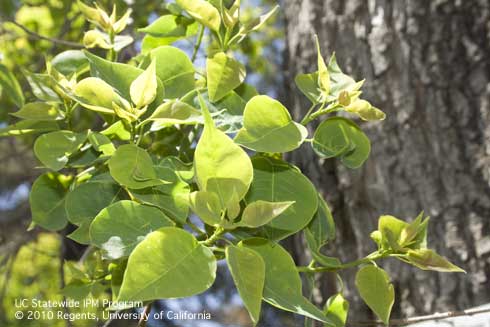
{"points": [[427, 66]]}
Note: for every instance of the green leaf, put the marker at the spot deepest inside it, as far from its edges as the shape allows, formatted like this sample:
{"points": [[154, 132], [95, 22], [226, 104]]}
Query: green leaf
{"points": [[77, 289], [183, 170], [172, 198], [42, 86], [248, 271], [70, 61], [169, 263], [221, 166], [319, 257], [177, 78], [227, 113], [426, 259], [132, 166], [260, 212], [117, 130], [203, 12], [282, 287], [276, 181], [246, 91], [338, 136], [119, 76], [117, 276], [323, 74], [118, 228], [25, 127], [224, 74], [11, 87], [376, 290], [170, 28], [207, 206], [85, 201], [322, 226], [81, 233], [101, 143], [39, 111], [336, 309], [53, 149], [151, 42], [47, 200], [143, 90], [268, 127], [95, 94], [175, 112], [308, 85]]}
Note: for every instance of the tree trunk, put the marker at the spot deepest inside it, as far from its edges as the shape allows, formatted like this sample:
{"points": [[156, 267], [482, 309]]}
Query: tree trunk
{"points": [[427, 65]]}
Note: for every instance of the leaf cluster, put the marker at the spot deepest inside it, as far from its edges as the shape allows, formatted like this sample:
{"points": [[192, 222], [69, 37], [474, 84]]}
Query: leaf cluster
{"points": [[185, 168]]}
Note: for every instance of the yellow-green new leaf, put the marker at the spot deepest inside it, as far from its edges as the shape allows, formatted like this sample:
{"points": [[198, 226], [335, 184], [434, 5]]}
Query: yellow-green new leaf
{"points": [[224, 74], [365, 110], [254, 25], [121, 24], [260, 212], [374, 286], [337, 309], [391, 228], [143, 90], [175, 112], [268, 127], [207, 206], [95, 94], [248, 271], [323, 74], [170, 263], [202, 11], [426, 259], [221, 166]]}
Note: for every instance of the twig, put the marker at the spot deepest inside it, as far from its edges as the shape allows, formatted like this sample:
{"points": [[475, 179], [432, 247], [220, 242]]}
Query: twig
{"points": [[145, 315], [198, 43], [413, 320], [62, 275], [46, 38]]}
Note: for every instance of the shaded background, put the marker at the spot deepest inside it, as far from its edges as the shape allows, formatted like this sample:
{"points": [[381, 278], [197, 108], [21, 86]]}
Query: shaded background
{"points": [[426, 64]]}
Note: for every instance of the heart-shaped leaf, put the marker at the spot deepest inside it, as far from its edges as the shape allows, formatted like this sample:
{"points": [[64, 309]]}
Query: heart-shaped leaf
{"points": [[374, 286], [248, 271], [118, 228], [268, 127], [169, 263]]}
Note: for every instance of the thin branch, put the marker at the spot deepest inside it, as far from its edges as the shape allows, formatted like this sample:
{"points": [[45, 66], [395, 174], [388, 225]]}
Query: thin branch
{"points": [[413, 320], [198, 43], [46, 38], [62, 274]]}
